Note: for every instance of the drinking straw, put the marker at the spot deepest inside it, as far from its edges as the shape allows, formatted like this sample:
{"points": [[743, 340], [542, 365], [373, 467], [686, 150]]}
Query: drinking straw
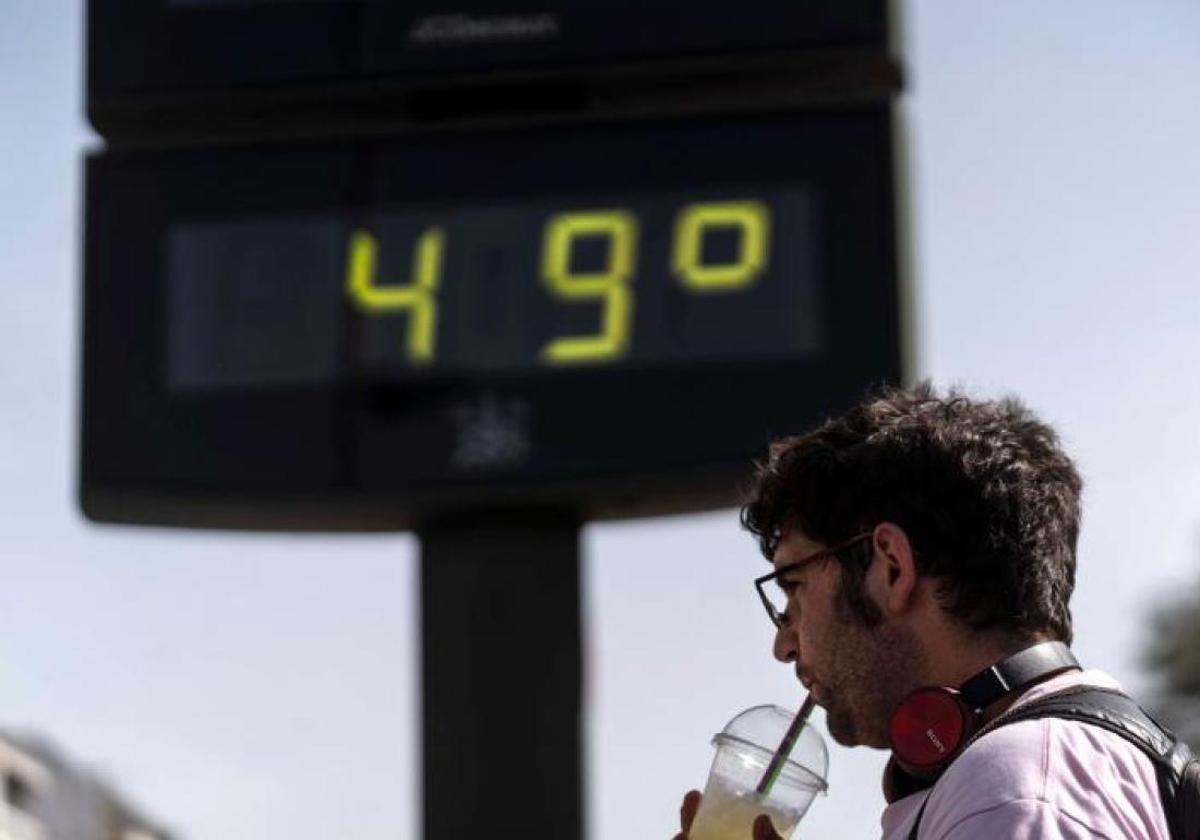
{"points": [[785, 747]]}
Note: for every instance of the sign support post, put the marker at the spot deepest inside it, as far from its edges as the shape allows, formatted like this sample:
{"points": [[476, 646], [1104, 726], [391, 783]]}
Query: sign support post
{"points": [[501, 676]]}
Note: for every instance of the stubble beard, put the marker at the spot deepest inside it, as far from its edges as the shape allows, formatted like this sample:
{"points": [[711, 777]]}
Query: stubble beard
{"points": [[871, 670]]}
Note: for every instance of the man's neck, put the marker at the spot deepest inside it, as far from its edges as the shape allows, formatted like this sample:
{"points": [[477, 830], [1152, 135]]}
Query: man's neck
{"points": [[954, 656]]}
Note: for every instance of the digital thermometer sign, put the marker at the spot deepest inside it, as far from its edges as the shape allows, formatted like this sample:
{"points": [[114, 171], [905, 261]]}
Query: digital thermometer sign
{"points": [[576, 314]]}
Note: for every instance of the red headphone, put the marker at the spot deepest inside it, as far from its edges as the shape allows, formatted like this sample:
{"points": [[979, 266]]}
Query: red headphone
{"points": [[932, 724]]}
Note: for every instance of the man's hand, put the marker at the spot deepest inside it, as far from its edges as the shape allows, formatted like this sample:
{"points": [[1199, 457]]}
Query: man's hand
{"points": [[763, 830], [687, 813]]}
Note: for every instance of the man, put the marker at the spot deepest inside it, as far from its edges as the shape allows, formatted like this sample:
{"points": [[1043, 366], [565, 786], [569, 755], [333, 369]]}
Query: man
{"points": [[917, 541]]}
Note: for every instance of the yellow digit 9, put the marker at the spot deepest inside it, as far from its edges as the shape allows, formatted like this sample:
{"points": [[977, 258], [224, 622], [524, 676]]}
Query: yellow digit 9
{"points": [[417, 298], [610, 286], [752, 218]]}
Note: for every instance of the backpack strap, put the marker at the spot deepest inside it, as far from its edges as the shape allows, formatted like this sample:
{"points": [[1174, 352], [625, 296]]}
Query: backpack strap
{"points": [[1120, 714]]}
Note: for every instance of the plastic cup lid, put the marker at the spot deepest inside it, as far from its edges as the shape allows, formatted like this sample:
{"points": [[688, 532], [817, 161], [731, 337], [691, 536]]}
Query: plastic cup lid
{"points": [[763, 727]]}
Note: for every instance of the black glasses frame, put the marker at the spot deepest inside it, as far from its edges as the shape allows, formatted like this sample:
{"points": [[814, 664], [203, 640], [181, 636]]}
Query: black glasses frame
{"points": [[831, 553]]}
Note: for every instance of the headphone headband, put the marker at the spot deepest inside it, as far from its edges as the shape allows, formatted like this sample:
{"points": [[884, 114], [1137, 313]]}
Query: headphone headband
{"points": [[1016, 671], [931, 725]]}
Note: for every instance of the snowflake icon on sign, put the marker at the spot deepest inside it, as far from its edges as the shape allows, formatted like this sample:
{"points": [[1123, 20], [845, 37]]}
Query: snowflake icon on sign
{"points": [[491, 433]]}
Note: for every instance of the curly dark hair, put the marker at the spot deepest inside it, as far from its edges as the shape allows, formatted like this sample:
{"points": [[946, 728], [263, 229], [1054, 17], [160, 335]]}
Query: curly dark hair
{"points": [[983, 489]]}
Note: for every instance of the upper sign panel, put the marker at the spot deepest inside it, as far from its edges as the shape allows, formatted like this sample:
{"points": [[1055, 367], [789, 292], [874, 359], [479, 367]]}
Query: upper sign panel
{"points": [[205, 62]]}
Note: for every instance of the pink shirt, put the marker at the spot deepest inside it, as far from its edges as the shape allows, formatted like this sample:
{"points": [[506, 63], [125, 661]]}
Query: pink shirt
{"points": [[1046, 779]]}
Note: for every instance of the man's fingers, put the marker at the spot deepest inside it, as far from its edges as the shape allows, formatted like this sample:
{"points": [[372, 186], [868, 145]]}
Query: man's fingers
{"points": [[763, 830], [687, 811]]}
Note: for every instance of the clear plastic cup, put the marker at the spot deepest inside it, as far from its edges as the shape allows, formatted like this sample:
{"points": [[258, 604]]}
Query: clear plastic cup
{"points": [[744, 749]]}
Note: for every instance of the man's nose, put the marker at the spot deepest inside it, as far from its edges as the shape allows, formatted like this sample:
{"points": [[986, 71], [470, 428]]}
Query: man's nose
{"points": [[786, 647]]}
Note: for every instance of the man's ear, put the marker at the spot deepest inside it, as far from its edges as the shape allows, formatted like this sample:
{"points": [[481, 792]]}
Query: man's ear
{"points": [[892, 578]]}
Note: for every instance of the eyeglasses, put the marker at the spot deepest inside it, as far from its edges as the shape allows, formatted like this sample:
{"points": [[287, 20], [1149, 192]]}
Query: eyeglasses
{"points": [[775, 600]]}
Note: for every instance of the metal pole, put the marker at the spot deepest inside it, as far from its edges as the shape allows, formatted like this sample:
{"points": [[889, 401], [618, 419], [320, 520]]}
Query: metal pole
{"points": [[501, 651]]}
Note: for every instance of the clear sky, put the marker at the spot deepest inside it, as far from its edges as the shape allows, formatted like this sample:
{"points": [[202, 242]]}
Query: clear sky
{"points": [[243, 686]]}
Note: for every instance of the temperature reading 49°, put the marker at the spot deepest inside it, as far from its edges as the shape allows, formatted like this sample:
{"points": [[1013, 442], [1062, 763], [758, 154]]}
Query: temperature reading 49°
{"points": [[579, 258], [388, 293]]}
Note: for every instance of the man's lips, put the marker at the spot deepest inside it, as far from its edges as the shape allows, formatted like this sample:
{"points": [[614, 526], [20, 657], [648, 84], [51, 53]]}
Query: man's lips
{"points": [[814, 686]]}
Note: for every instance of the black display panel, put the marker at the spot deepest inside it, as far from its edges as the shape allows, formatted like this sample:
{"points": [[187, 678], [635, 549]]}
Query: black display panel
{"points": [[614, 317], [541, 284], [218, 56]]}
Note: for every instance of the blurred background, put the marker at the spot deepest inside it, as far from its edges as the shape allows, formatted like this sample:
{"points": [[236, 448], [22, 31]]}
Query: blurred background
{"points": [[263, 686]]}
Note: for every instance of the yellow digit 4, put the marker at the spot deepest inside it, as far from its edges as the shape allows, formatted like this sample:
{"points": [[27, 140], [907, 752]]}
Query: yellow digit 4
{"points": [[611, 286], [751, 218], [416, 299]]}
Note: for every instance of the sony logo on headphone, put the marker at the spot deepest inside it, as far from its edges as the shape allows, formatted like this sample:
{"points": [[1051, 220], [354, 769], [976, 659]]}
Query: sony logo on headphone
{"points": [[937, 742]]}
